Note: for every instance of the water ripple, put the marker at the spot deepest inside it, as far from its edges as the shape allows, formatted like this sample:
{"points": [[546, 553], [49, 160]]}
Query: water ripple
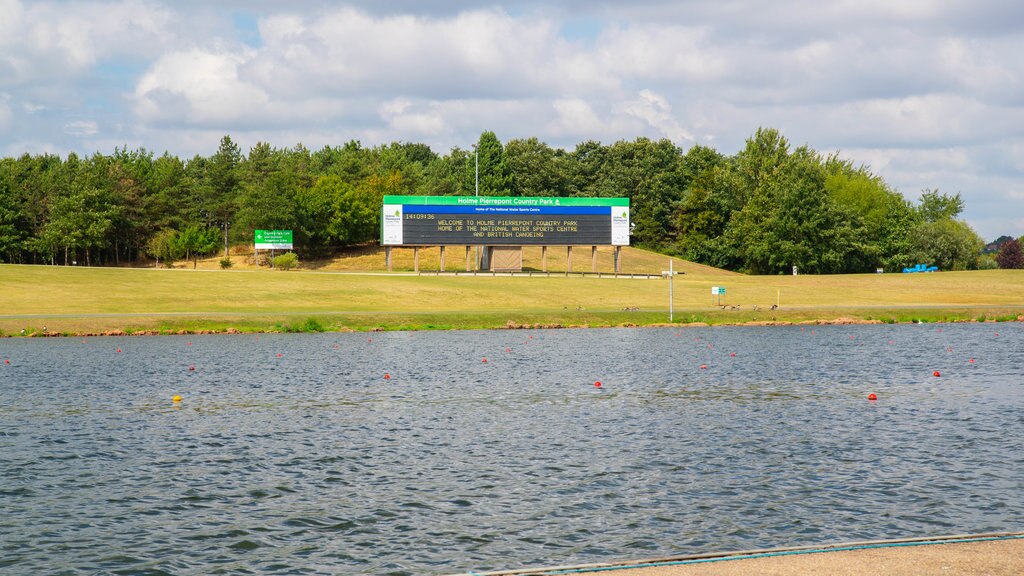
{"points": [[313, 463]]}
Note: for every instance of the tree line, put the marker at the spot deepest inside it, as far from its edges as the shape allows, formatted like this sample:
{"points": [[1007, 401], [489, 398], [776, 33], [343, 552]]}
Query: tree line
{"points": [[763, 210]]}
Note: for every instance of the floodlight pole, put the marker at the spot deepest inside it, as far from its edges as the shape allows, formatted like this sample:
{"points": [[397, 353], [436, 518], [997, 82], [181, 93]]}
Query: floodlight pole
{"points": [[476, 179]]}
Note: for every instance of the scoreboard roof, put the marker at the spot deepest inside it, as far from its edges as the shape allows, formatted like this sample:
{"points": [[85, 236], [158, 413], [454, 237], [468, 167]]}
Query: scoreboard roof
{"points": [[504, 201]]}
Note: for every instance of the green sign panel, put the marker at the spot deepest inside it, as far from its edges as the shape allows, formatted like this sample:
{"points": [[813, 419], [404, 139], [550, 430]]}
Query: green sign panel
{"points": [[503, 201], [273, 239]]}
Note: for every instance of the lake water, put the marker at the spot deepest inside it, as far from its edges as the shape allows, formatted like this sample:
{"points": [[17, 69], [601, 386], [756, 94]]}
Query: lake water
{"points": [[312, 462]]}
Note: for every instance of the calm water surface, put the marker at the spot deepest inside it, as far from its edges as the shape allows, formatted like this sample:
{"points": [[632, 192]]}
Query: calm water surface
{"points": [[313, 463]]}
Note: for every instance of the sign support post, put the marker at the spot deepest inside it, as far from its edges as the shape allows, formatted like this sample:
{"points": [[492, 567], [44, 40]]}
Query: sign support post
{"points": [[671, 276]]}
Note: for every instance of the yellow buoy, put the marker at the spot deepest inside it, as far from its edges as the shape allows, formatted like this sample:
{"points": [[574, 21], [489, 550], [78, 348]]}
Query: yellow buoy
{"points": [[176, 398]]}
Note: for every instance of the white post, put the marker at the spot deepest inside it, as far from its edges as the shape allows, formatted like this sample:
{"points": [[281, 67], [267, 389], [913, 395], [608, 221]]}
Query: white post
{"points": [[671, 274]]}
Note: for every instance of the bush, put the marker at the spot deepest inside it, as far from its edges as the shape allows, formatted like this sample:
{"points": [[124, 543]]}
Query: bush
{"points": [[312, 325], [225, 263], [286, 261], [1010, 255]]}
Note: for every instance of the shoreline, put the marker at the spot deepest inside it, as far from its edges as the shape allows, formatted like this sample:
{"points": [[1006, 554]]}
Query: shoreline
{"points": [[964, 555], [313, 325]]}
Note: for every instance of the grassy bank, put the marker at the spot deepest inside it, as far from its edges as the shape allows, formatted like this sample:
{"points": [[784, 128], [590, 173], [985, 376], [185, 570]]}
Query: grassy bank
{"points": [[80, 300]]}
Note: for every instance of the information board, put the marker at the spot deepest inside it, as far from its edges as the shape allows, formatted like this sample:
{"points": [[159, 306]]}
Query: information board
{"points": [[504, 221], [273, 239]]}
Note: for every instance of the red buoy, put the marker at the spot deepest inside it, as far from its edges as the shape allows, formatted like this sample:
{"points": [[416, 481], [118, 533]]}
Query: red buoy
{"points": [[485, 360], [189, 344], [192, 368], [971, 360], [936, 374], [703, 366], [387, 376], [597, 384], [8, 361], [118, 350], [872, 397], [732, 354], [278, 354], [508, 349]]}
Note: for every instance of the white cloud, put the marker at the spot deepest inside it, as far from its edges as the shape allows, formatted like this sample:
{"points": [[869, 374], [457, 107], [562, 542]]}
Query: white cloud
{"points": [[81, 128], [5, 110], [655, 110], [576, 117], [930, 93], [199, 87], [402, 118], [43, 41]]}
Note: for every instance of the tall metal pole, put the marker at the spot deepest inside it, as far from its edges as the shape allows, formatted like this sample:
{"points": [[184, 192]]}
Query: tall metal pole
{"points": [[476, 150], [671, 275]]}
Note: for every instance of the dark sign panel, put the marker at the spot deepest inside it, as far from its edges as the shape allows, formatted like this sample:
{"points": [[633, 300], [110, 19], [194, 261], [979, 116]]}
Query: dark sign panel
{"points": [[497, 221]]}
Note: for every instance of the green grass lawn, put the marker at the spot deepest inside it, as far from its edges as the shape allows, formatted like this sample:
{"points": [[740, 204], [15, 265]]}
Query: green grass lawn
{"points": [[78, 300]]}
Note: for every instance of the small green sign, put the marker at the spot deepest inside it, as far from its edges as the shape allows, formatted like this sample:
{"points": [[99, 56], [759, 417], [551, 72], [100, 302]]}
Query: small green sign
{"points": [[273, 239]]}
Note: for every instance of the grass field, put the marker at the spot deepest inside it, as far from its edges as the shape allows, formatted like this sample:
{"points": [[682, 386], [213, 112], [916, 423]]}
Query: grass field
{"points": [[80, 300]]}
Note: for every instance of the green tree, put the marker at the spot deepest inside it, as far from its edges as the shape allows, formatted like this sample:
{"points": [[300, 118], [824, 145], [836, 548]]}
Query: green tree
{"points": [[646, 172], [163, 245], [702, 216], [315, 210], [445, 176], [791, 221], [221, 204], [79, 221], [195, 241], [948, 244], [11, 234], [763, 160], [495, 177], [535, 168], [267, 205], [935, 206]]}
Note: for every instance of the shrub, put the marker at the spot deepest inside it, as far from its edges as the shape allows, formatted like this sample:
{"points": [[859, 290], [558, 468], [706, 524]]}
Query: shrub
{"points": [[1010, 255], [312, 325], [286, 261], [225, 263]]}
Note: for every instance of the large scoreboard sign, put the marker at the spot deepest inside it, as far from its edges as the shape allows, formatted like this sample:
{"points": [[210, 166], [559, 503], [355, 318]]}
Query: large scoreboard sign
{"points": [[504, 221]]}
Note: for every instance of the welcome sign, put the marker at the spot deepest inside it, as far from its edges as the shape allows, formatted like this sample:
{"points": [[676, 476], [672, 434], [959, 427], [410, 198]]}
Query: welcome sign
{"points": [[504, 221]]}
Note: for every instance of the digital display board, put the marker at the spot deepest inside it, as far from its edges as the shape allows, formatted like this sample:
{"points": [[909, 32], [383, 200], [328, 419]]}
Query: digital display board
{"points": [[504, 221]]}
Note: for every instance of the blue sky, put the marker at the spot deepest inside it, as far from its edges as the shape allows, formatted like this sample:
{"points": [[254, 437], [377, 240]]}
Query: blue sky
{"points": [[928, 93]]}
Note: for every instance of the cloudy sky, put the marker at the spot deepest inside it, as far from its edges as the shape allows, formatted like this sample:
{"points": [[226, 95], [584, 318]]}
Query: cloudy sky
{"points": [[928, 93]]}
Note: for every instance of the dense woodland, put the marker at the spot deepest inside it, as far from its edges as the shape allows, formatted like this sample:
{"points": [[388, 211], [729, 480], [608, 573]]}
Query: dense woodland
{"points": [[763, 210]]}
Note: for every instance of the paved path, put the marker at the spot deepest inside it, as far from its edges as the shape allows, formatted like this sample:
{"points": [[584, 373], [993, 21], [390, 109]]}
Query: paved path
{"points": [[1001, 555], [995, 558]]}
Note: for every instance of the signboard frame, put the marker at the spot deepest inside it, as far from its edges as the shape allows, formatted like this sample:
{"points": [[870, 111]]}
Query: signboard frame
{"points": [[273, 239], [504, 221]]}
